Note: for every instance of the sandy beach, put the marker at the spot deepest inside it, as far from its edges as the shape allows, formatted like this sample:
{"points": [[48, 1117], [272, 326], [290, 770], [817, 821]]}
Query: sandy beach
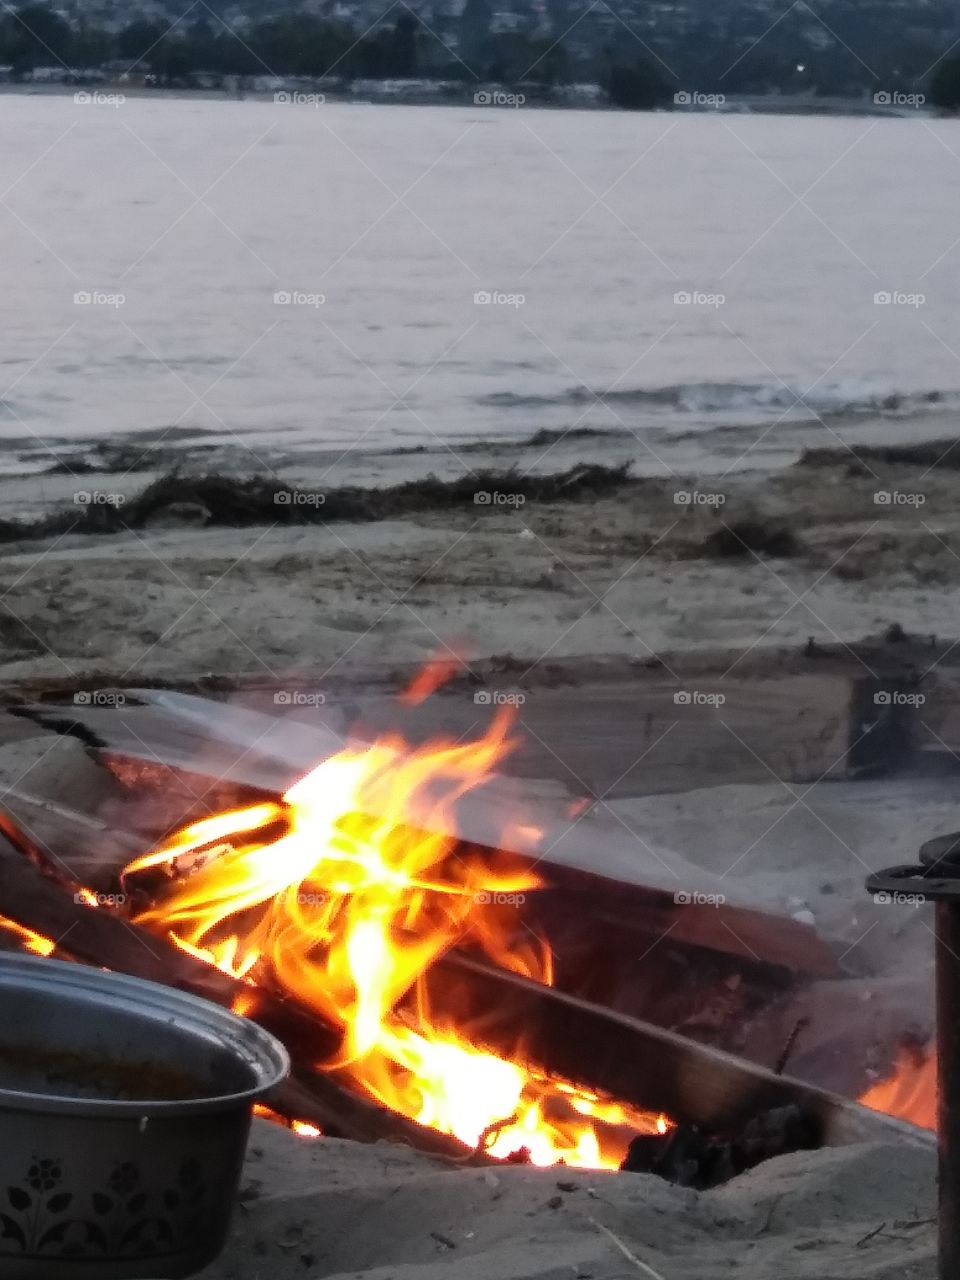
{"points": [[651, 566], [589, 591], [379, 1213]]}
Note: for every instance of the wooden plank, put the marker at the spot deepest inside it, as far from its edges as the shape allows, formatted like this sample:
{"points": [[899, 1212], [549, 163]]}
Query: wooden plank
{"points": [[589, 866], [558, 1034], [629, 737], [636, 1062]]}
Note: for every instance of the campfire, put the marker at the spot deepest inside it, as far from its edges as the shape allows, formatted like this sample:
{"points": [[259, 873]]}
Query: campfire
{"points": [[342, 895], [396, 955]]}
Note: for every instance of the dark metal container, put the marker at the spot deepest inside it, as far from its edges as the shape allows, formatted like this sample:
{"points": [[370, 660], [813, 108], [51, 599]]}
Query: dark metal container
{"points": [[124, 1114], [937, 879]]}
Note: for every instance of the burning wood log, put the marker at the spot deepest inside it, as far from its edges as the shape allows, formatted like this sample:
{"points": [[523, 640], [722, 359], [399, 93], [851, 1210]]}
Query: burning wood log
{"points": [[36, 900], [334, 912], [190, 747]]}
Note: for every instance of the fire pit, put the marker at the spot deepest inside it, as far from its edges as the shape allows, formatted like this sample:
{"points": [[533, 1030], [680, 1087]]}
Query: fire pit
{"points": [[124, 1109], [355, 918]]}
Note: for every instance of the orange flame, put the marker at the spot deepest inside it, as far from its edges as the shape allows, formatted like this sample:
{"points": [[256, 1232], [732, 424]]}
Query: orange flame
{"points": [[344, 894], [911, 1092], [29, 940], [302, 1128]]}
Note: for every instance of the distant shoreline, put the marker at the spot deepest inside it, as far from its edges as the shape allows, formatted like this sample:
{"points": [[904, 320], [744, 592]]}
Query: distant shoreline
{"points": [[746, 104]]}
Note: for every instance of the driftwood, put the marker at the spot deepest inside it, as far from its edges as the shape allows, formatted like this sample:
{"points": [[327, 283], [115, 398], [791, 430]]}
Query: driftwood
{"points": [[186, 748], [554, 1033], [636, 1062]]}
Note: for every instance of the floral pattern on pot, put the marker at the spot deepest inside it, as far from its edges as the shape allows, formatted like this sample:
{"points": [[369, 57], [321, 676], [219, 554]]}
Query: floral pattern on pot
{"points": [[124, 1219]]}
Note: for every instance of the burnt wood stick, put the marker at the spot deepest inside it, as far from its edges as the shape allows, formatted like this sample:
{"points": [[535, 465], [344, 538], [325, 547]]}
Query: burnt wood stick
{"points": [[634, 1061], [98, 937]]}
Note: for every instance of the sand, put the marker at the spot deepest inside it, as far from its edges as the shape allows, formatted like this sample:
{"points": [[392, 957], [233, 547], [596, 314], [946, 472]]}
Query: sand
{"points": [[337, 1210], [620, 578], [617, 576]]}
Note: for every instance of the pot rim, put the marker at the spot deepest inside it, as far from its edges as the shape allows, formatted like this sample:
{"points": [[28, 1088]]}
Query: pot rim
{"points": [[247, 1041]]}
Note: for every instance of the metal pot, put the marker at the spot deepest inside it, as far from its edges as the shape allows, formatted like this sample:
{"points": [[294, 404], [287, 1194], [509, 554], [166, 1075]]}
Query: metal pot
{"points": [[124, 1114]]}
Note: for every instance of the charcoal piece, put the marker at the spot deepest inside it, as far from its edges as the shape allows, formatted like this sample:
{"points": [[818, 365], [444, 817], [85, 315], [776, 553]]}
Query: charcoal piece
{"points": [[689, 1157]]}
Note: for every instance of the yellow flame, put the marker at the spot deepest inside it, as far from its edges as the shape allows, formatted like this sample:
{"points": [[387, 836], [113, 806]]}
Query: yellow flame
{"points": [[29, 940], [347, 900]]}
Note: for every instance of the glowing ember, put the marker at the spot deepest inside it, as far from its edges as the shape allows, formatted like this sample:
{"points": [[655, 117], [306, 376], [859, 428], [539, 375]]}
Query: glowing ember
{"points": [[29, 940], [302, 1128], [911, 1092], [344, 894]]}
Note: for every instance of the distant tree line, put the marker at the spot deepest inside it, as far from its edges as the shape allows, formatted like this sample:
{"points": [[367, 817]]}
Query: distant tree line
{"points": [[301, 44], [288, 44]]}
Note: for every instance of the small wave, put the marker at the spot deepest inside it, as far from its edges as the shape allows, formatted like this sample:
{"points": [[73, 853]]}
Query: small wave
{"points": [[727, 397]]}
